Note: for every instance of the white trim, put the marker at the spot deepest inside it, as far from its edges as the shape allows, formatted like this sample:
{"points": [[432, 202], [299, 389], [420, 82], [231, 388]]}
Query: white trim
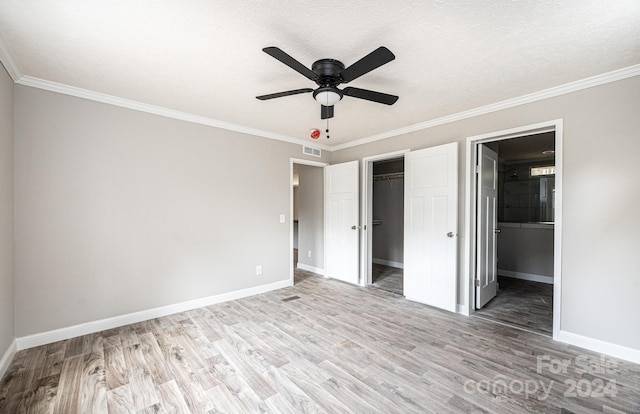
{"points": [[469, 235], [291, 212], [470, 211], [7, 61], [311, 269], [56, 335], [156, 110], [307, 162], [557, 227], [461, 309], [386, 155], [526, 276], [597, 345], [533, 129], [398, 265], [8, 357], [575, 86]]}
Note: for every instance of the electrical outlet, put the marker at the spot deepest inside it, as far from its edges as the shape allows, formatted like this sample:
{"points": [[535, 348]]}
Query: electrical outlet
{"points": [[309, 253], [258, 270]]}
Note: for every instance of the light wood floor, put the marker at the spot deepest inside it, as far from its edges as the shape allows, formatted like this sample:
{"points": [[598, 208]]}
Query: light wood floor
{"points": [[321, 346], [522, 303]]}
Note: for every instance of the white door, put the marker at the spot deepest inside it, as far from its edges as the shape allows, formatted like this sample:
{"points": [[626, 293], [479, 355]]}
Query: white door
{"points": [[341, 221], [487, 260], [431, 226]]}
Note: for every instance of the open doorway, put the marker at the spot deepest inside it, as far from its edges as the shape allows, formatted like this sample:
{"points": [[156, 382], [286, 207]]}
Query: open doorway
{"points": [[515, 250], [384, 218], [307, 217], [387, 225]]}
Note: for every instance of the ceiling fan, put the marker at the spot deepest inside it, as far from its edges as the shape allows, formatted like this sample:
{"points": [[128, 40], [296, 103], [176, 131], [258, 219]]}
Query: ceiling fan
{"points": [[329, 73]]}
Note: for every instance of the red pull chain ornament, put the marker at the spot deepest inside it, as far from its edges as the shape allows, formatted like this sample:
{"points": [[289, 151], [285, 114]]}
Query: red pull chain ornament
{"points": [[314, 133]]}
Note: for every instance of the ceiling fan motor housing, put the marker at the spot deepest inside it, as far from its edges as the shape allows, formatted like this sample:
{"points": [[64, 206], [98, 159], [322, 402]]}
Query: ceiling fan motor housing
{"points": [[328, 71]]}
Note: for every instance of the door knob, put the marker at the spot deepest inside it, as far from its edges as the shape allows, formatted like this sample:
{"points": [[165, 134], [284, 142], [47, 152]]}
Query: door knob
{"points": [[355, 227], [450, 234], [497, 230]]}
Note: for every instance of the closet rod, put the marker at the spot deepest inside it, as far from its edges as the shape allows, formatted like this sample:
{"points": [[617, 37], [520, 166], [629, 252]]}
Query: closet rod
{"points": [[389, 176]]}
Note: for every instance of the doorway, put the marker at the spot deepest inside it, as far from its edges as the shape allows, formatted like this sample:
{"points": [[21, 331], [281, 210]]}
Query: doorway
{"points": [[383, 221], [516, 183], [307, 217], [430, 233], [387, 225], [514, 213]]}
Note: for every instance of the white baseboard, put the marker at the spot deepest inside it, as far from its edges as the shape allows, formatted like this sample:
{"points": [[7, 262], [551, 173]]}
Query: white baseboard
{"points": [[56, 335], [462, 310], [597, 345], [526, 276], [8, 357], [391, 263], [311, 269]]}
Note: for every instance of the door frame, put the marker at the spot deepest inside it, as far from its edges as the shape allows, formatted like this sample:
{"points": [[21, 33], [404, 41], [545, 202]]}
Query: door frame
{"points": [[291, 162], [470, 213], [366, 240]]}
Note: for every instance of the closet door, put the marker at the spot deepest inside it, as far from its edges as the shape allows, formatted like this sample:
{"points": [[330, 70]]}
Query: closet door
{"points": [[431, 226], [341, 221]]}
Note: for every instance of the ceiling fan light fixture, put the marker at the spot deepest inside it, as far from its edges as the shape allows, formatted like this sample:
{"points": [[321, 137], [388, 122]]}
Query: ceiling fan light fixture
{"points": [[327, 96], [329, 73]]}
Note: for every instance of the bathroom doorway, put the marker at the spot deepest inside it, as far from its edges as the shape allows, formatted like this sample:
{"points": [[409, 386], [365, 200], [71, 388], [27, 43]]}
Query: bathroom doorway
{"points": [[515, 231]]}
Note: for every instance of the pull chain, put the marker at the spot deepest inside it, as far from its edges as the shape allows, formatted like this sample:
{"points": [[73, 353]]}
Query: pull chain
{"points": [[327, 130]]}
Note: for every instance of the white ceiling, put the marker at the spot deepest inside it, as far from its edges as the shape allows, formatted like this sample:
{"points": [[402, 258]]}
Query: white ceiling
{"points": [[204, 57]]}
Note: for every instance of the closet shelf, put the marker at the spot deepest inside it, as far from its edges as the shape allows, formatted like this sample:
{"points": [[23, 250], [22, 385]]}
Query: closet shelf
{"points": [[389, 176]]}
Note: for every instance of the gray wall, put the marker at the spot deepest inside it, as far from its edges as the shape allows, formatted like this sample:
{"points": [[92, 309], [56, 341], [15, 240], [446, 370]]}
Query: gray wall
{"points": [[526, 248], [119, 211], [7, 332], [601, 192], [388, 206], [311, 216]]}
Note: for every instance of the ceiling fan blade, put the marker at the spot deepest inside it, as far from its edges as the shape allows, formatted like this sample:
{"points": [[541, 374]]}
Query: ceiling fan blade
{"points": [[374, 96], [373, 60], [291, 62], [286, 93], [326, 112]]}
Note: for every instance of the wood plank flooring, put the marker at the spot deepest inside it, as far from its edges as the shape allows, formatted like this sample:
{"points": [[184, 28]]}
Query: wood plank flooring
{"points": [[318, 347], [522, 303], [387, 278]]}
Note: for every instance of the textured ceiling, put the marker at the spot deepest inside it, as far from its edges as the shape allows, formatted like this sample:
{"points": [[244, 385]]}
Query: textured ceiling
{"points": [[531, 147], [203, 57]]}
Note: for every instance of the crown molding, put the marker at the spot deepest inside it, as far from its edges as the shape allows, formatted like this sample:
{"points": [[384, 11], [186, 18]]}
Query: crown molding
{"points": [[156, 110], [7, 61], [16, 75], [578, 85]]}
